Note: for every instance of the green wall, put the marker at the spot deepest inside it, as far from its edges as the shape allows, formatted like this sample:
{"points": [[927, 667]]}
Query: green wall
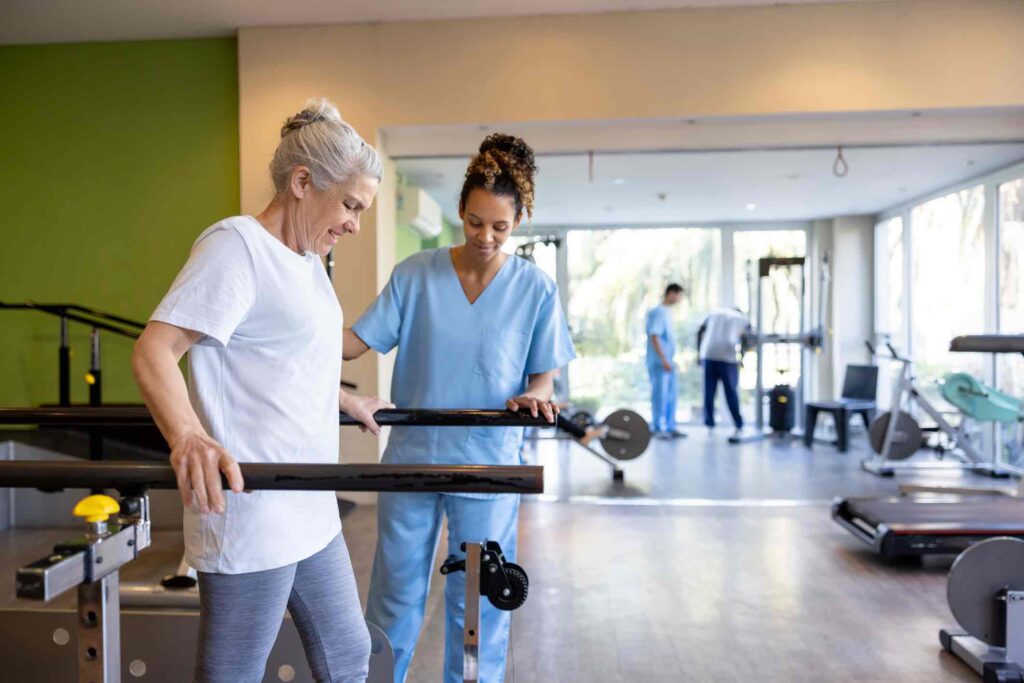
{"points": [[408, 242], [114, 157]]}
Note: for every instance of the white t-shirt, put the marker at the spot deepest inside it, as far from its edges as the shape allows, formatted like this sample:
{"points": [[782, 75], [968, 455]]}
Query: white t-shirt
{"points": [[722, 331], [264, 381]]}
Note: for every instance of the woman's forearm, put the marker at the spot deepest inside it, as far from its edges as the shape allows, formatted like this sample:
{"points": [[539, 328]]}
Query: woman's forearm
{"points": [[164, 390]]}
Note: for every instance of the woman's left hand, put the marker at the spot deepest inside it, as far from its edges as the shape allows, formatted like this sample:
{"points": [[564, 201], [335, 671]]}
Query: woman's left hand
{"points": [[362, 408], [536, 406]]}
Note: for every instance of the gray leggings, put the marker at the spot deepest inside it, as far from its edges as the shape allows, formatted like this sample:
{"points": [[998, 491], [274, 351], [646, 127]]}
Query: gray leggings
{"points": [[240, 615]]}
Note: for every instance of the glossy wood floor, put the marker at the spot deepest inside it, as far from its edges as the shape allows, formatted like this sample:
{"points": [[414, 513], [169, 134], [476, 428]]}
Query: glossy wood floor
{"points": [[712, 563]]}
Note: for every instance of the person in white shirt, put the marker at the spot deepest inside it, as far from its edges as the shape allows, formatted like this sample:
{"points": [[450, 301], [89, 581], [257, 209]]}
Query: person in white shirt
{"points": [[258, 316], [719, 339]]}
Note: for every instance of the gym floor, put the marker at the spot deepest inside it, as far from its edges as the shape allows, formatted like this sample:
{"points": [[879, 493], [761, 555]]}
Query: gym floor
{"points": [[712, 562]]}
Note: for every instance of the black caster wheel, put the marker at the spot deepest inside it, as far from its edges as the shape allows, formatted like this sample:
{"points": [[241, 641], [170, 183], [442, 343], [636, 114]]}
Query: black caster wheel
{"points": [[519, 588]]}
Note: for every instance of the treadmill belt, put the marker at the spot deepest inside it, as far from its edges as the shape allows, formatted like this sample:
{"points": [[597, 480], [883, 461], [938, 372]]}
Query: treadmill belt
{"points": [[994, 511]]}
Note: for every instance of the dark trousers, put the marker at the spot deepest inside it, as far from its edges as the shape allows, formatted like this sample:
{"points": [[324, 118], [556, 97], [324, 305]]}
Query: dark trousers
{"points": [[728, 374]]}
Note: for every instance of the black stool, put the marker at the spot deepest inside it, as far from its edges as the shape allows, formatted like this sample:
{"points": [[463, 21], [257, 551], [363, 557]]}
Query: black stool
{"points": [[860, 387]]}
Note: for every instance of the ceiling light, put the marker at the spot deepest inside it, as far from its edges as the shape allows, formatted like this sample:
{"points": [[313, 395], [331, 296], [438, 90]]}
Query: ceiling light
{"points": [[618, 181], [751, 207], [792, 176]]}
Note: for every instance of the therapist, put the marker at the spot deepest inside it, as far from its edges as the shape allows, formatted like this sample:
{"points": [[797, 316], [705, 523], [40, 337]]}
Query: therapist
{"points": [[475, 328]]}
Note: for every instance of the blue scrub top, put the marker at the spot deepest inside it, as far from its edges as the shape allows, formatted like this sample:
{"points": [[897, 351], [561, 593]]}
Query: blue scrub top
{"points": [[452, 354], [659, 324]]}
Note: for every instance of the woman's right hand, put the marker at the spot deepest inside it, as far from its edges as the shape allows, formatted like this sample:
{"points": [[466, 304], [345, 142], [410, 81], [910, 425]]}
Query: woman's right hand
{"points": [[198, 461]]}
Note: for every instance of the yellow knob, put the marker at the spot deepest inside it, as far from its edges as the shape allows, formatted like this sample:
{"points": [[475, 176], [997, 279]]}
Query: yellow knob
{"points": [[96, 508], [90, 378]]}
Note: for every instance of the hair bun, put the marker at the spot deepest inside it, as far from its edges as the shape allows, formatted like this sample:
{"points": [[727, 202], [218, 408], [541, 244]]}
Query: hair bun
{"points": [[511, 145], [315, 111]]}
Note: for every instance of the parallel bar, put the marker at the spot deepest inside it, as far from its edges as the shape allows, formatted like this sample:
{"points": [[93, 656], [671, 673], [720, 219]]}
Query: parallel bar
{"points": [[282, 477], [73, 416]]}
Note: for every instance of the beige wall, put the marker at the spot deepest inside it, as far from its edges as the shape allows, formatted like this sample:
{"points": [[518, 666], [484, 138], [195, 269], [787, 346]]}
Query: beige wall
{"points": [[914, 54]]}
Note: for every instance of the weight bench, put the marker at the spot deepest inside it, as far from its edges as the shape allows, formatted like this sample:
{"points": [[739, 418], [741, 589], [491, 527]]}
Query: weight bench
{"points": [[860, 386]]}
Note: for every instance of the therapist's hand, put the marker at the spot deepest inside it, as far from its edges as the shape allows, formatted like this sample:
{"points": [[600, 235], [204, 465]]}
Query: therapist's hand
{"points": [[362, 408], [536, 406], [198, 461]]}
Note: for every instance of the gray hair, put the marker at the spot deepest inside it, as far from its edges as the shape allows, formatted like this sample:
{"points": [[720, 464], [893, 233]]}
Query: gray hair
{"points": [[319, 139]]}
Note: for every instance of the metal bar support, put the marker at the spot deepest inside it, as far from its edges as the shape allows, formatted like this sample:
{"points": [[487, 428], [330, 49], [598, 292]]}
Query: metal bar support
{"points": [[471, 624], [99, 634]]}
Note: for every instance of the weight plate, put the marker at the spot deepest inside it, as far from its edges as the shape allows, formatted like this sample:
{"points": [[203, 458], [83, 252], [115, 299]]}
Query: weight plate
{"points": [[905, 442], [977, 579], [629, 422]]}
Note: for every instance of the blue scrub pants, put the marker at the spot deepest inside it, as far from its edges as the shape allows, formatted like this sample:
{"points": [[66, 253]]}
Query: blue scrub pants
{"points": [[663, 397], [728, 374], [409, 526]]}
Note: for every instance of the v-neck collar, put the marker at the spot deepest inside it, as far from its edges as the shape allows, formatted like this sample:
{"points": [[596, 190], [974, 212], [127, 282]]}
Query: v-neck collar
{"points": [[458, 282]]}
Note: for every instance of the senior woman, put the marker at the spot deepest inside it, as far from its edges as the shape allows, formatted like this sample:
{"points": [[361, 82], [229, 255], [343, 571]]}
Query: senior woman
{"points": [[256, 313]]}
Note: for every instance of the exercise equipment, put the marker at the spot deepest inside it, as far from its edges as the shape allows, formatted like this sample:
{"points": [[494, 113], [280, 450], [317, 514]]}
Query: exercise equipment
{"points": [[926, 520], [930, 520], [504, 584], [116, 532], [98, 321], [809, 339], [985, 591], [896, 435], [624, 434]]}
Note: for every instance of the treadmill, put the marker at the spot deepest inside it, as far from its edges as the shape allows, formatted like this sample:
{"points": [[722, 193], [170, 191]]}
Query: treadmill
{"points": [[925, 520]]}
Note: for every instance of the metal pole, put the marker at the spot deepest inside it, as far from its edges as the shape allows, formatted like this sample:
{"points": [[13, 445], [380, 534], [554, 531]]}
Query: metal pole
{"points": [[64, 364], [95, 383], [471, 617], [94, 379], [67, 416], [99, 634], [127, 476], [759, 384]]}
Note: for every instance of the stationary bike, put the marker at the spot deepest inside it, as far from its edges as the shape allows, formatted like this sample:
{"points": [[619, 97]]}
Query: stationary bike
{"points": [[897, 438]]}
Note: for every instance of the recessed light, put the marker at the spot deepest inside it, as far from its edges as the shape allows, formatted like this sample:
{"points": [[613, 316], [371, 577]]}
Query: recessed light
{"points": [[662, 196], [618, 181], [915, 114], [792, 176], [691, 122], [608, 209], [970, 162], [751, 207], [903, 189]]}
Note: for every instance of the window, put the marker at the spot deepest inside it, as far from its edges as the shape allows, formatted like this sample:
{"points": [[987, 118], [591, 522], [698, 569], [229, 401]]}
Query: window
{"points": [[615, 277], [890, 288], [1011, 278], [948, 271], [544, 255]]}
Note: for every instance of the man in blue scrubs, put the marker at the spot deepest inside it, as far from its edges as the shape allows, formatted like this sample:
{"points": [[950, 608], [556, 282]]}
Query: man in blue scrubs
{"points": [[475, 328], [661, 369]]}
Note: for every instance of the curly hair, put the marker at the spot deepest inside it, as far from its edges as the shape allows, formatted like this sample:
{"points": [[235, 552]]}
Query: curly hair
{"points": [[505, 167]]}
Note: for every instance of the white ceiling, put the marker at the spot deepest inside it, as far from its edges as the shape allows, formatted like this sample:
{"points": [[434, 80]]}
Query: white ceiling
{"points": [[53, 21], [717, 187]]}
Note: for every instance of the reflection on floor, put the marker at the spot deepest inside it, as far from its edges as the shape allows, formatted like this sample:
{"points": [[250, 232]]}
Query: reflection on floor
{"points": [[705, 466], [733, 572]]}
